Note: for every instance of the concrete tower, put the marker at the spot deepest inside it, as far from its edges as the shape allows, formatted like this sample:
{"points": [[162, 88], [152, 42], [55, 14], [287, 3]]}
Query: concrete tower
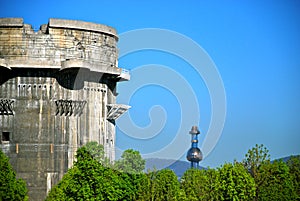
{"points": [[194, 154], [57, 92]]}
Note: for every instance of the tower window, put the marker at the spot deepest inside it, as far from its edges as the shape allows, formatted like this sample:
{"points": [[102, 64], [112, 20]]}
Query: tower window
{"points": [[5, 136]]}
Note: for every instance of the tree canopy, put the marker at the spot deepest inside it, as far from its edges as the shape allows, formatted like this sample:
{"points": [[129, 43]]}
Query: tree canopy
{"points": [[90, 180], [294, 167], [10, 187], [236, 182], [131, 162], [97, 152], [276, 182], [255, 178], [201, 184], [166, 185], [256, 157]]}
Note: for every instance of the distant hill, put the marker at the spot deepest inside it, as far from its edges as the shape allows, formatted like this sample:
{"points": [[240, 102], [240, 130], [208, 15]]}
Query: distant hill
{"points": [[179, 167], [285, 159]]}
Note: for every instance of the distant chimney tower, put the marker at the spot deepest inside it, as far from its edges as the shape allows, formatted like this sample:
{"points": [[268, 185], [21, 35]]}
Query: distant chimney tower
{"points": [[194, 154]]}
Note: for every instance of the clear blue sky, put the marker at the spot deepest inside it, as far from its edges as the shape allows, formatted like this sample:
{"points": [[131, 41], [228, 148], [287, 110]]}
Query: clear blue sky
{"points": [[255, 46]]}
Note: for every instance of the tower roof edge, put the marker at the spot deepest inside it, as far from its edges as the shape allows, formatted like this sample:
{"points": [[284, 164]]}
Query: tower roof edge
{"points": [[11, 22]]}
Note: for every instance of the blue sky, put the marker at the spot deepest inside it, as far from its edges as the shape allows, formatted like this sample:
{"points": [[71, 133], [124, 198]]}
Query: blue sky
{"points": [[255, 46]]}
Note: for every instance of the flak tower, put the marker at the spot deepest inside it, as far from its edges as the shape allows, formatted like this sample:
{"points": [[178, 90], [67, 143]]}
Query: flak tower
{"points": [[194, 154], [57, 93]]}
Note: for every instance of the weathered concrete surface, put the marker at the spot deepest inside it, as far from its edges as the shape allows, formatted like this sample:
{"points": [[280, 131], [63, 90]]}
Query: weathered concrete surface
{"points": [[56, 88]]}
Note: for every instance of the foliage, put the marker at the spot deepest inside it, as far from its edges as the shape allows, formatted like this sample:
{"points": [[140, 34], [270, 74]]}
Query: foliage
{"points": [[131, 162], [159, 185], [294, 166], [255, 157], [201, 184], [236, 182], [165, 185], [143, 187], [89, 180], [97, 152], [10, 187], [256, 178], [275, 182]]}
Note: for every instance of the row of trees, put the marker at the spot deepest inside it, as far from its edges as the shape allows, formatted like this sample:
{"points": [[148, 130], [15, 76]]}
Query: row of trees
{"points": [[93, 178], [255, 178]]}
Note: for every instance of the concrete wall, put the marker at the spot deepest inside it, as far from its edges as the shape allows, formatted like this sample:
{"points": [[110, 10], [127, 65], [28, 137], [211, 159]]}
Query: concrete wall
{"points": [[55, 87]]}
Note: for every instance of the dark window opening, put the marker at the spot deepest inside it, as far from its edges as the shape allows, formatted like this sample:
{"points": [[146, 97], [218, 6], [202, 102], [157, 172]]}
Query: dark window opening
{"points": [[5, 136]]}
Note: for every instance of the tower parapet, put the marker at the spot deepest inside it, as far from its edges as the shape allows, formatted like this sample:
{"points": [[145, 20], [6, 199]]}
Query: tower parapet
{"points": [[57, 89]]}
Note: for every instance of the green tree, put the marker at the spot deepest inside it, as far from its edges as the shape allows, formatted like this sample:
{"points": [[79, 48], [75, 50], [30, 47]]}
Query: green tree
{"points": [[255, 157], [276, 183], [90, 180], [158, 186], [201, 184], [131, 162], [165, 185], [10, 187], [97, 152], [294, 166], [142, 184], [236, 182]]}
